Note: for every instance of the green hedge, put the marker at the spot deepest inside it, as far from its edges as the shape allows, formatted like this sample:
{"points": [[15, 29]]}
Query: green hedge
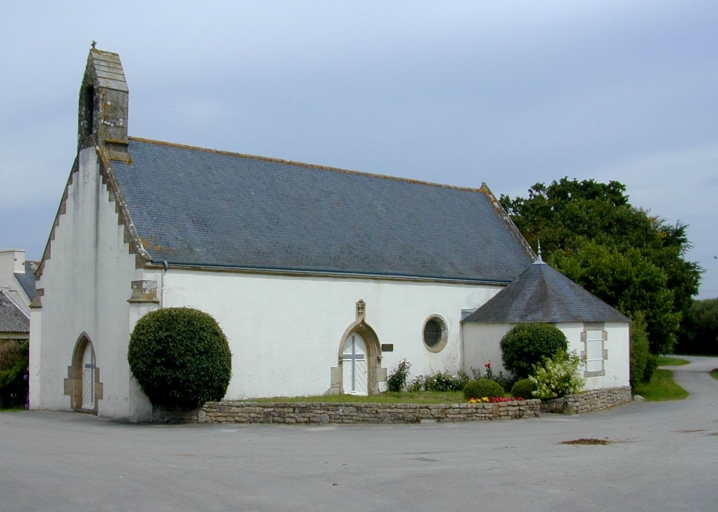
{"points": [[523, 388], [481, 388], [643, 363], [527, 344], [180, 357]]}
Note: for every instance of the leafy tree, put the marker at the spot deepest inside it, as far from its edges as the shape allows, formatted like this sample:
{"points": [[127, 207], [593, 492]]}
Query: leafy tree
{"points": [[699, 330], [642, 361], [633, 261], [629, 282], [14, 356]]}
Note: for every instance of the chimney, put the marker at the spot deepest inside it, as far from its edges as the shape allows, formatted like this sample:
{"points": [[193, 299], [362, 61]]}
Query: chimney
{"points": [[12, 260]]}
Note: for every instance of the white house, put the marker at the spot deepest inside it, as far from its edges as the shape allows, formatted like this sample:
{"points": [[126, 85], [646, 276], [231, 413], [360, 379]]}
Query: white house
{"points": [[17, 277], [321, 278], [17, 290]]}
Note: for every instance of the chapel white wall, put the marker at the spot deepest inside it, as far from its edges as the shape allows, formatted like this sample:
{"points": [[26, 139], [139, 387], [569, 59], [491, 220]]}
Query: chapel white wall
{"points": [[285, 332], [86, 283], [617, 365], [482, 345]]}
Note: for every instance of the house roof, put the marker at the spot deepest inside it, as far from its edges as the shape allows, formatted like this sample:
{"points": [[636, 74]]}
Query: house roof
{"points": [[198, 207], [542, 294], [27, 280], [12, 318]]}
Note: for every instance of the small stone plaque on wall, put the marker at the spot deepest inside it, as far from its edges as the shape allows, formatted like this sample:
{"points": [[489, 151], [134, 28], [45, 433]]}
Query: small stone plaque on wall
{"points": [[387, 347]]}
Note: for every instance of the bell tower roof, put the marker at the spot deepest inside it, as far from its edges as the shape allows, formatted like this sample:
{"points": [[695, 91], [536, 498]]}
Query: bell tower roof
{"points": [[104, 69], [104, 103]]}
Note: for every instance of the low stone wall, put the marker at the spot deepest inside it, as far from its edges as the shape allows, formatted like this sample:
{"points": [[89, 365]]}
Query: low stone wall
{"points": [[323, 413], [588, 401]]}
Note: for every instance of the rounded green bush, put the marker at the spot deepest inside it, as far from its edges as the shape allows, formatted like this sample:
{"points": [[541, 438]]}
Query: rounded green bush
{"points": [[481, 388], [523, 388], [180, 357], [526, 344]]}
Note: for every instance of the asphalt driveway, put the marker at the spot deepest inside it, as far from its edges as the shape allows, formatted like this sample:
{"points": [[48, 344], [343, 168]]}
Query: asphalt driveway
{"points": [[663, 456]]}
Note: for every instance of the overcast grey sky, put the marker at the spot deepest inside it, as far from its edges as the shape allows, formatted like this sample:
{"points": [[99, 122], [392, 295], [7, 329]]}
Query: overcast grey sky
{"points": [[457, 92]]}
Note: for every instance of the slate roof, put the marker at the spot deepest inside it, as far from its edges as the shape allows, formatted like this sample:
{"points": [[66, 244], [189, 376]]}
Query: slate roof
{"points": [[12, 318], [27, 280], [542, 294], [200, 207]]}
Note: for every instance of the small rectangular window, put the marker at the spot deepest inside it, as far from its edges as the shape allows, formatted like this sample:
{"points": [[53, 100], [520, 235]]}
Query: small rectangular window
{"points": [[594, 351]]}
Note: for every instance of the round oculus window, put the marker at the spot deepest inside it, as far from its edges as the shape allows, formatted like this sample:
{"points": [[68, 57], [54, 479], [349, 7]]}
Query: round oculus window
{"points": [[432, 333], [435, 334]]}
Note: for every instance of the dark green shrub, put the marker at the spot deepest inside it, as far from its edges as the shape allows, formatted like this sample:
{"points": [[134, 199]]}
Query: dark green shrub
{"points": [[439, 381], [180, 357], [523, 388], [445, 381], [651, 367], [505, 382], [527, 344], [481, 388], [640, 352], [14, 356], [417, 384], [461, 380], [397, 380]]}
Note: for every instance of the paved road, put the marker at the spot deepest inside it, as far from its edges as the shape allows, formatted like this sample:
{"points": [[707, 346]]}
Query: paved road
{"points": [[664, 456]]}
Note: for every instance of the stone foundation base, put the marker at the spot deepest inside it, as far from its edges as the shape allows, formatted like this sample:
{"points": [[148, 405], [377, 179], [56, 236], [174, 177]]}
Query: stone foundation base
{"points": [[323, 413], [588, 401]]}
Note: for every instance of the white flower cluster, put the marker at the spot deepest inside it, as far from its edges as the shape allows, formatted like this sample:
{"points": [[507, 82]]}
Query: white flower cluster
{"points": [[558, 376]]}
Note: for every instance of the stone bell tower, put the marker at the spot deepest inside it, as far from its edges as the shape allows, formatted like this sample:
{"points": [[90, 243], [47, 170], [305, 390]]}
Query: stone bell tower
{"points": [[104, 104]]}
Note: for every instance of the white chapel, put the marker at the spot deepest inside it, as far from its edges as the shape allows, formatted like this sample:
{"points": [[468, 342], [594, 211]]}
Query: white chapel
{"points": [[322, 279]]}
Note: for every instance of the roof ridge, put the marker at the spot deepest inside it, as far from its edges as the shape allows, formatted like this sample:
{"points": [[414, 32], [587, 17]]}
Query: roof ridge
{"points": [[483, 189]]}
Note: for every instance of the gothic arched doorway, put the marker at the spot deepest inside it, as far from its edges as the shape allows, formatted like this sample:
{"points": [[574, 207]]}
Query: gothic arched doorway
{"points": [[359, 371], [355, 374], [83, 382]]}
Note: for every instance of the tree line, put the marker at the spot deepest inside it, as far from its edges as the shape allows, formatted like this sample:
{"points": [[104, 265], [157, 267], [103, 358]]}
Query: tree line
{"points": [[628, 257]]}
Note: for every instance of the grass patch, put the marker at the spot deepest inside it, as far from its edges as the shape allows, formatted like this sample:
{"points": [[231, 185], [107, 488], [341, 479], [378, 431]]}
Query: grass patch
{"points": [[661, 388], [13, 409], [714, 373], [671, 361], [388, 397]]}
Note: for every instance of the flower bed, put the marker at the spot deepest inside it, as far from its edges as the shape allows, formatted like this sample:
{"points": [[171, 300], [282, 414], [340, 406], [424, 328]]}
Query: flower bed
{"points": [[495, 400]]}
